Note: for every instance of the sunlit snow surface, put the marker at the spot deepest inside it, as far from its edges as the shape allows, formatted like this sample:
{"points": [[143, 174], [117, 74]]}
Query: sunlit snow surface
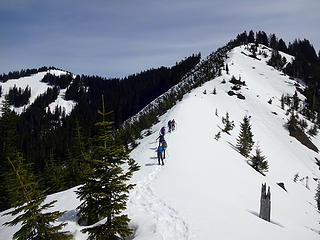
{"points": [[37, 88], [206, 189]]}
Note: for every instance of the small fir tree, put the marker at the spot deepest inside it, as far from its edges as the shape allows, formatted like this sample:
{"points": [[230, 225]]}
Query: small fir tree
{"points": [[259, 162], [27, 201], [227, 68], [296, 177], [317, 196], [282, 101], [105, 191], [216, 113], [245, 140], [313, 131], [217, 136], [228, 125], [214, 91], [295, 101]]}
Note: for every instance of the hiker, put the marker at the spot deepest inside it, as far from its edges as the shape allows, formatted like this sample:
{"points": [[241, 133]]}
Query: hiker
{"points": [[164, 147], [159, 154], [173, 125], [163, 131], [169, 125], [161, 139]]}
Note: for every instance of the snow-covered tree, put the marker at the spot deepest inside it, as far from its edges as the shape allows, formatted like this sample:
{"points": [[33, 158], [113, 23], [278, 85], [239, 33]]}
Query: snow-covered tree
{"points": [[228, 125], [245, 140], [259, 162]]}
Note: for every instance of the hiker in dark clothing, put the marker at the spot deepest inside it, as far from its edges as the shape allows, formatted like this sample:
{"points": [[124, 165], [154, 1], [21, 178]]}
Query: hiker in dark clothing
{"points": [[173, 125], [162, 131], [161, 139], [164, 147], [169, 125], [159, 154]]}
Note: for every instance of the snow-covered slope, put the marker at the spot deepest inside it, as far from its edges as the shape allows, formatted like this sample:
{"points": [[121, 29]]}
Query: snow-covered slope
{"points": [[206, 189], [37, 88]]}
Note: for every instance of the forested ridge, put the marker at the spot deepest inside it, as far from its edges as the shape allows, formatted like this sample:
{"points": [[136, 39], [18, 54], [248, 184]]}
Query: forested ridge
{"points": [[50, 141], [55, 144]]}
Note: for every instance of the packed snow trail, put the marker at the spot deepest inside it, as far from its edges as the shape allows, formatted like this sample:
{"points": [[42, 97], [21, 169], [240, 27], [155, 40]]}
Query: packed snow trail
{"points": [[165, 222]]}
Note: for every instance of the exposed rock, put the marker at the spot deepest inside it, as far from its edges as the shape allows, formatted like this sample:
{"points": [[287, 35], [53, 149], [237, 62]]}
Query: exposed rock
{"points": [[281, 184]]}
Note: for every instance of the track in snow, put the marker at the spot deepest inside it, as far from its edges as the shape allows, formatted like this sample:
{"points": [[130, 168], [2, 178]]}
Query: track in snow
{"points": [[166, 222]]}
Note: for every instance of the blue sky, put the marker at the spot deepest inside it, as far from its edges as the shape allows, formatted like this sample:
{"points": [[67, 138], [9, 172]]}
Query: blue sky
{"points": [[118, 38]]}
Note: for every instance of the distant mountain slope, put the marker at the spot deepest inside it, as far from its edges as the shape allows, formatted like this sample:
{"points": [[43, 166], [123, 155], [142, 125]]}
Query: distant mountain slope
{"points": [[37, 88]]}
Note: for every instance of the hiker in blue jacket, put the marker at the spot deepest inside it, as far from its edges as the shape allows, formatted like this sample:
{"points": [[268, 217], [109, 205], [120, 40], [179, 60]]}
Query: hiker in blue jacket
{"points": [[159, 153]]}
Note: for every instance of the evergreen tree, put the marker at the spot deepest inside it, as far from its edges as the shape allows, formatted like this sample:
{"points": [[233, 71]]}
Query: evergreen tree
{"points": [[251, 37], [259, 162], [28, 200], [105, 191], [245, 140], [217, 136], [227, 68], [317, 197], [282, 101], [76, 158], [313, 131], [292, 122], [54, 174], [295, 101], [228, 125], [8, 137]]}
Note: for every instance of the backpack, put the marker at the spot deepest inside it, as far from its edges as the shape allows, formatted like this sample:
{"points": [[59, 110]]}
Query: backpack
{"points": [[164, 144], [159, 149]]}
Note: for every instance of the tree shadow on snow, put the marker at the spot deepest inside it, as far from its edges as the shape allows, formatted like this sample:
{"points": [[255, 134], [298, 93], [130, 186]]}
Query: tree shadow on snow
{"points": [[257, 215], [233, 146], [153, 158], [154, 148], [69, 216], [151, 164]]}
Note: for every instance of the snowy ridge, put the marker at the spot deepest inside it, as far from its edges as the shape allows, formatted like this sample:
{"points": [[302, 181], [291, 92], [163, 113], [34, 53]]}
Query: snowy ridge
{"points": [[37, 88], [206, 189]]}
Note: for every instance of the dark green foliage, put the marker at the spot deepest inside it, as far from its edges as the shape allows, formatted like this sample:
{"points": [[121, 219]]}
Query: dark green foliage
{"points": [[217, 136], [296, 101], [8, 137], [276, 60], [227, 68], [293, 122], [317, 196], [259, 162], [77, 159], [228, 125], [313, 131], [27, 201], [251, 38], [282, 101], [262, 38], [18, 97], [245, 140], [61, 81], [23, 73], [105, 191]]}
